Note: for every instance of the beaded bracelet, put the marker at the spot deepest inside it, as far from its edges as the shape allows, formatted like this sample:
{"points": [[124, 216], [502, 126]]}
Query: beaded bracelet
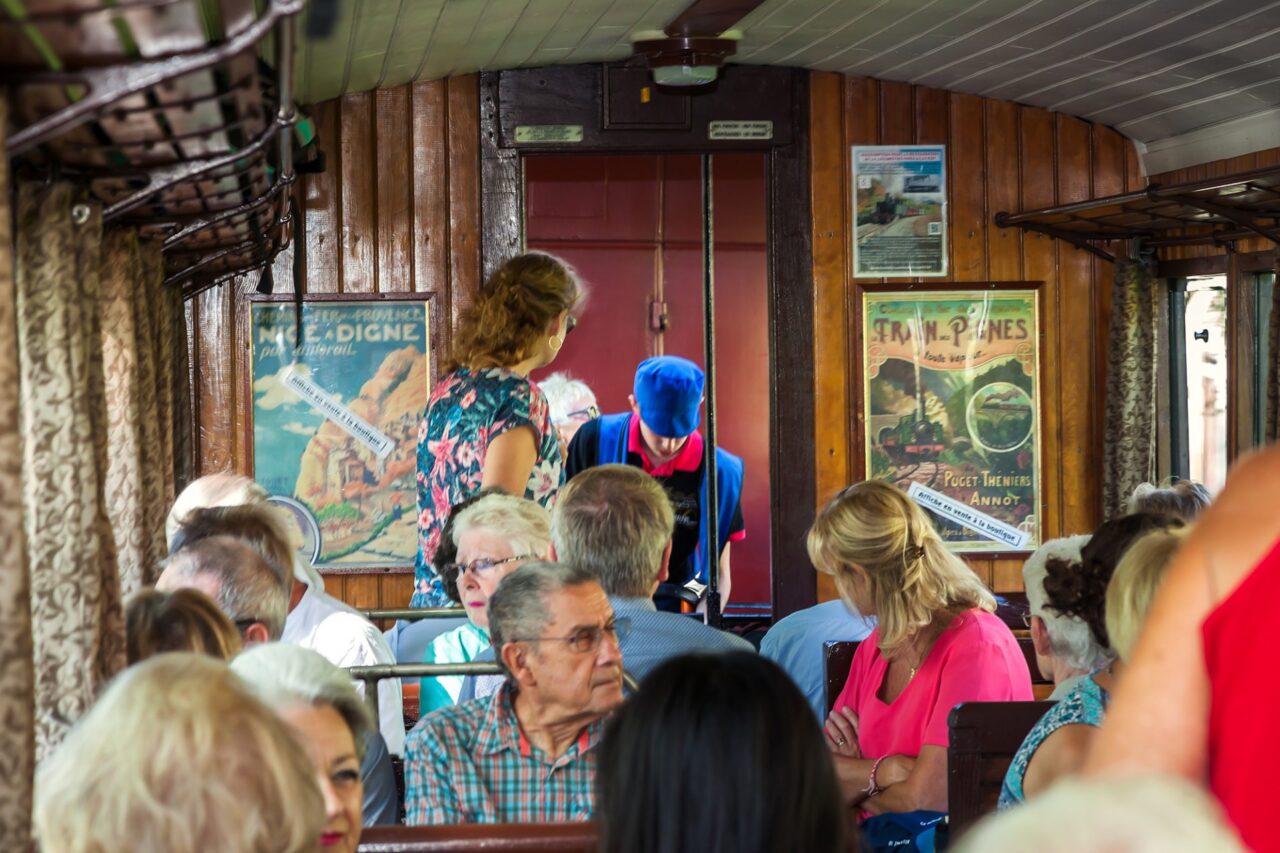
{"points": [[872, 788]]}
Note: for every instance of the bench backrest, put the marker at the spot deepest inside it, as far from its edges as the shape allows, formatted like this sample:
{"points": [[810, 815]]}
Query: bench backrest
{"points": [[505, 837], [984, 737], [837, 657]]}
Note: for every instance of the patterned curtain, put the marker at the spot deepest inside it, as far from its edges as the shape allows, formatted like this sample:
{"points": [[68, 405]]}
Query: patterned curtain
{"points": [[143, 357], [1272, 425], [17, 734], [1129, 438], [78, 621]]}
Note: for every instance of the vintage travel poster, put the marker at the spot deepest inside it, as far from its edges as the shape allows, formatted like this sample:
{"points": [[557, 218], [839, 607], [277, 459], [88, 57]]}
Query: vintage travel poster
{"points": [[899, 210], [952, 409], [335, 422]]}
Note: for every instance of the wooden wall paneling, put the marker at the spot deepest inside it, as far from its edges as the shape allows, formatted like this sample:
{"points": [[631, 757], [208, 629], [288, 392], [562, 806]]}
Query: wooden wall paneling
{"points": [[464, 191], [1038, 188], [360, 188], [829, 168], [1004, 245], [967, 170], [394, 184], [862, 122], [502, 185], [322, 206], [430, 232], [214, 381], [1080, 471], [239, 289], [897, 113]]}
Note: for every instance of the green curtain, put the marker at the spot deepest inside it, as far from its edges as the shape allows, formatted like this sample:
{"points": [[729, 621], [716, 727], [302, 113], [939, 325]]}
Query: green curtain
{"points": [[1129, 419], [17, 734]]}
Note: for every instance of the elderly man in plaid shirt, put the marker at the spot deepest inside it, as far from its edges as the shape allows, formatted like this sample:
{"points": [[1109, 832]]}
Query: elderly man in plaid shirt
{"points": [[527, 754]]}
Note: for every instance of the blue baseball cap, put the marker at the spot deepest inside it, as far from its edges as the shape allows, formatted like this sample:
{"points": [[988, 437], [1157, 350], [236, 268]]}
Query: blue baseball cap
{"points": [[669, 393]]}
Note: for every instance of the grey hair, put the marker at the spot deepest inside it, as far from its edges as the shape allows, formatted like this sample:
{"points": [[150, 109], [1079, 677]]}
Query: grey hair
{"points": [[518, 607], [281, 675], [565, 395], [524, 524], [248, 587], [615, 520], [1184, 499], [1069, 636]]}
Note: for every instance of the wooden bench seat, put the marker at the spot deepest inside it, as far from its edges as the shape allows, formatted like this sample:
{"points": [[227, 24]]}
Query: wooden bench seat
{"points": [[984, 737], [487, 837]]}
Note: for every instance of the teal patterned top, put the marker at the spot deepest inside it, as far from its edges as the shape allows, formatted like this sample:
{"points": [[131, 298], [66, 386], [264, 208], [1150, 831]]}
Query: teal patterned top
{"points": [[1084, 705]]}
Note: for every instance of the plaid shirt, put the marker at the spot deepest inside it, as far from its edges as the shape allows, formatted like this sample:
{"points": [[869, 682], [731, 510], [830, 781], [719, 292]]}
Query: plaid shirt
{"points": [[471, 763]]}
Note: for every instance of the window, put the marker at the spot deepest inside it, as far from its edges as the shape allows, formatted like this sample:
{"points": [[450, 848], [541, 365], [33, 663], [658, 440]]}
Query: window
{"points": [[1198, 372]]}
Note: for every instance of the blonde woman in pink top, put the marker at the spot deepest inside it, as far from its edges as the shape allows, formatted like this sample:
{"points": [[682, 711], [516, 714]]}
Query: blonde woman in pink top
{"points": [[937, 644]]}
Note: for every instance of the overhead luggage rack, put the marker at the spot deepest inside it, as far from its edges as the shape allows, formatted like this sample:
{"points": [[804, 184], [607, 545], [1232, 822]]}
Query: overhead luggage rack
{"points": [[167, 112], [1213, 211]]}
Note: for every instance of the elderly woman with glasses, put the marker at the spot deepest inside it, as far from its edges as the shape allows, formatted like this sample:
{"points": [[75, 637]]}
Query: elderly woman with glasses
{"points": [[493, 536], [572, 404], [486, 424]]}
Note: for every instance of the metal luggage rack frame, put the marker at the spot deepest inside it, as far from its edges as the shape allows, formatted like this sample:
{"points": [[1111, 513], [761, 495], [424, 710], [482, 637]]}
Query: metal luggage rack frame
{"points": [[177, 127]]}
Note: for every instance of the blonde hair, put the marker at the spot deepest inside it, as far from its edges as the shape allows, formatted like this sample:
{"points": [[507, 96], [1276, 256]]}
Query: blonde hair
{"points": [[185, 620], [179, 756], [1133, 586], [912, 578], [514, 309]]}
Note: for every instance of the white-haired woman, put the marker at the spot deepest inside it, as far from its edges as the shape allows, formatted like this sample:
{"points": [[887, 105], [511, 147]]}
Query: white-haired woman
{"points": [[937, 643], [570, 403], [317, 700], [494, 536], [178, 755], [1066, 650]]}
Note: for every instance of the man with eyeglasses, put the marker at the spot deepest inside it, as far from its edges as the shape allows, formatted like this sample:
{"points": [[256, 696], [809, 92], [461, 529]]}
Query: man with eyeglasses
{"points": [[660, 437], [527, 754]]}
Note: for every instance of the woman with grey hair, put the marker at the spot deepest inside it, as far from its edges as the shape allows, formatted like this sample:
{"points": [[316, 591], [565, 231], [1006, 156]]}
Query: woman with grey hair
{"points": [[319, 702], [494, 536], [1066, 650], [570, 403]]}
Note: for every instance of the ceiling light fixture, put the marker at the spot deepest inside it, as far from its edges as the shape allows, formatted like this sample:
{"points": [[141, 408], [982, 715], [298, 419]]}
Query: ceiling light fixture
{"points": [[684, 60]]}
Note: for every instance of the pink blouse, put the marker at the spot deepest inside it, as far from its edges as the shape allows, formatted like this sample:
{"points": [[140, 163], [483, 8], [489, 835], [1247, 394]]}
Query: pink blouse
{"points": [[976, 659]]}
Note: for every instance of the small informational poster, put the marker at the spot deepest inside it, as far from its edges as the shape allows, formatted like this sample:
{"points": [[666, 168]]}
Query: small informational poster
{"points": [[952, 409], [335, 422], [899, 211]]}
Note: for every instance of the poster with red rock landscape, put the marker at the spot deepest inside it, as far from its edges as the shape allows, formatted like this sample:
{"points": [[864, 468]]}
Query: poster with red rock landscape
{"points": [[951, 408], [336, 406]]}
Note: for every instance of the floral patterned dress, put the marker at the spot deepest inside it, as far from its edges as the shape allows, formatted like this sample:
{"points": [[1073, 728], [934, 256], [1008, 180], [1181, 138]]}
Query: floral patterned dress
{"points": [[468, 409]]}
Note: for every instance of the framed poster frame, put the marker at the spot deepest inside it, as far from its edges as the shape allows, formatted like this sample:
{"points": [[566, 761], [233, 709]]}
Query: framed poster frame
{"points": [[955, 465], [887, 196], [250, 410]]}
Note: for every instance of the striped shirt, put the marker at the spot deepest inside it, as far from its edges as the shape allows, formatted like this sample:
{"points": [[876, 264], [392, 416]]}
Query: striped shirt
{"points": [[471, 763]]}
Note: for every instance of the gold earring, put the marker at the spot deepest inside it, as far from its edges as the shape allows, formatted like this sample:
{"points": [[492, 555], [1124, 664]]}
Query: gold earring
{"points": [[554, 343]]}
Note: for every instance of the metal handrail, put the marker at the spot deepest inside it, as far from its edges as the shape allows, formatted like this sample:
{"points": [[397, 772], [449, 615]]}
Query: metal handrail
{"points": [[415, 614], [369, 676]]}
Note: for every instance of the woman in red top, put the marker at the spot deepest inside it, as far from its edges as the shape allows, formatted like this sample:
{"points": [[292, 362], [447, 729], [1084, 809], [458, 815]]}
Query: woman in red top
{"points": [[937, 644], [1199, 697]]}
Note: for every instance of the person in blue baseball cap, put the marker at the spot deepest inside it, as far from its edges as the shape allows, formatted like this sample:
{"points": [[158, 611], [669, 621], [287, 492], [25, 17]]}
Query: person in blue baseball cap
{"points": [[660, 436]]}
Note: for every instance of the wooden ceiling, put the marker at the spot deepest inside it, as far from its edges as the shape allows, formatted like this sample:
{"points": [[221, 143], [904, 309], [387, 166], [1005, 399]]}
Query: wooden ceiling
{"points": [[1151, 68]]}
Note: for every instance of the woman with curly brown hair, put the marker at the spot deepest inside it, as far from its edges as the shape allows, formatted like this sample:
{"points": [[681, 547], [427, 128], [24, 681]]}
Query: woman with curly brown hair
{"points": [[937, 643], [486, 424], [1085, 590]]}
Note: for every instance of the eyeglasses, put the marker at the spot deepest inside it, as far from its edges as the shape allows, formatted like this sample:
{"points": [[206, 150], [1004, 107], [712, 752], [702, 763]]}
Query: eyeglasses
{"points": [[483, 566], [1026, 618], [570, 323], [587, 639], [590, 412]]}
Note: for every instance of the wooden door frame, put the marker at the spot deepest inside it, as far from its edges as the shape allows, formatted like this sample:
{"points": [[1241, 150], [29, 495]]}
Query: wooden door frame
{"points": [[574, 96]]}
